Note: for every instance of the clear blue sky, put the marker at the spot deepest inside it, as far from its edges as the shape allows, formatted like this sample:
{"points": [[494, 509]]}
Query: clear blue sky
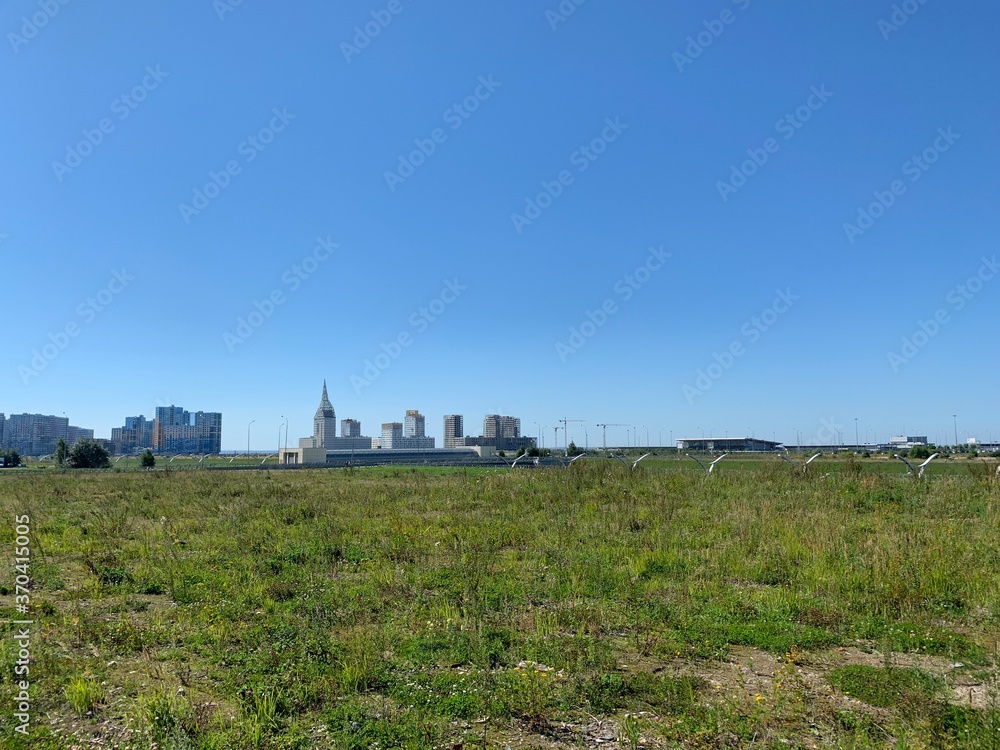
{"points": [[864, 99]]}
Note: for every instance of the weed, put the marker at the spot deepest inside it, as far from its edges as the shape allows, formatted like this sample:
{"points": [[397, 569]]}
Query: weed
{"points": [[84, 694]]}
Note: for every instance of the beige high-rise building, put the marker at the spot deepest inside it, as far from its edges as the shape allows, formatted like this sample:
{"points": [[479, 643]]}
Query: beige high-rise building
{"points": [[500, 427], [392, 435]]}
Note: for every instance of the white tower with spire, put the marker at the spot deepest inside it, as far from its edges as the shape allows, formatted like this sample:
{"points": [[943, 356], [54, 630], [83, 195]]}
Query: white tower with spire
{"points": [[324, 423]]}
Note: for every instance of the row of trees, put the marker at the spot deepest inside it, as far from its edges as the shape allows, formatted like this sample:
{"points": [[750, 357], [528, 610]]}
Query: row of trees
{"points": [[85, 454], [89, 454]]}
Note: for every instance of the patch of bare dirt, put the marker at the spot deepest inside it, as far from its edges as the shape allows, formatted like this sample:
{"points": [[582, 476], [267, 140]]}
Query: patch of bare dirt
{"points": [[755, 672]]}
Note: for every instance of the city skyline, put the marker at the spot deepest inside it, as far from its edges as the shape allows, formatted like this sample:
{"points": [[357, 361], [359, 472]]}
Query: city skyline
{"points": [[583, 432]]}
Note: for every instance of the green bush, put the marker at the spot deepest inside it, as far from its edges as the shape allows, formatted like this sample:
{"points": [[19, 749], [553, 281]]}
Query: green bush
{"points": [[88, 454]]}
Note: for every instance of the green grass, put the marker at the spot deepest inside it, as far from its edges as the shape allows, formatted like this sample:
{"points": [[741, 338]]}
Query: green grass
{"points": [[84, 694], [420, 608], [886, 687]]}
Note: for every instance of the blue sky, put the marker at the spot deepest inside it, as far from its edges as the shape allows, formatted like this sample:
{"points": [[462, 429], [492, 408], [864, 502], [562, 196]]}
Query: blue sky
{"points": [[510, 169]]}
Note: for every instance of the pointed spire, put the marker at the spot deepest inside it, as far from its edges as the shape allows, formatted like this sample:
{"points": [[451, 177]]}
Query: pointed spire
{"points": [[325, 407]]}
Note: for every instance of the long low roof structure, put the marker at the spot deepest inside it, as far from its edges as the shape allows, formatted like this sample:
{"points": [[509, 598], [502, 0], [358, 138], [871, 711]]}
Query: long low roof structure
{"points": [[728, 444]]}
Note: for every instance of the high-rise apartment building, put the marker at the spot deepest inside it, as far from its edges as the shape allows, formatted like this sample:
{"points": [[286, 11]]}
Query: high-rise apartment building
{"points": [[143, 429], [501, 432], [210, 424], [392, 435], [123, 441], [176, 430], [350, 428], [76, 433], [2, 443], [414, 424], [500, 427], [34, 434], [454, 431], [137, 434], [411, 437], [38, 434]]}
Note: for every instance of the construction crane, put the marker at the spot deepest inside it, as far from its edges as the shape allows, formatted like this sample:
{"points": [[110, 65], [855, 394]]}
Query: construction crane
{"points": [[605, 427], [566, 430]]}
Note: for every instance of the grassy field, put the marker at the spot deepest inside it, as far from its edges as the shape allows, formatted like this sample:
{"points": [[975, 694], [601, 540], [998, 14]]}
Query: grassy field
{"points": [[955, 464], [591, 607]]}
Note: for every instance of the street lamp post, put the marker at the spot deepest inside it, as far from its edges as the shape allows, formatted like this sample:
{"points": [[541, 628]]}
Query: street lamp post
{"points": [[857, 441], [248, 437], [955, 418]]}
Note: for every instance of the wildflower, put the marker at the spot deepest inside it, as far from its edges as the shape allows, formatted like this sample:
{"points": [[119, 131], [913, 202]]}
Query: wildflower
{"points": [[758, 698]]}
